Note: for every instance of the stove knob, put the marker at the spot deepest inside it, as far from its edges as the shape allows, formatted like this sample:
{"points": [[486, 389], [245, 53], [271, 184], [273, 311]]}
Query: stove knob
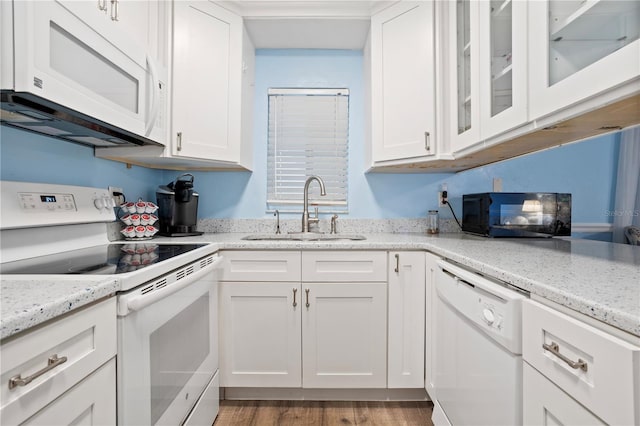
{"points": [[109, 202], [488, 316], [99, 203]]}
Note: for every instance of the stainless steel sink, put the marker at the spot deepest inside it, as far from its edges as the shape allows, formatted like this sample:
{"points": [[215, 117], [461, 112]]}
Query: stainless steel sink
{"points": [[303, 236]]}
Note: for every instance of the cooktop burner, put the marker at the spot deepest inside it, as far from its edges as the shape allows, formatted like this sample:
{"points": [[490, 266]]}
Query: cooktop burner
{"points": [[100, 260]]}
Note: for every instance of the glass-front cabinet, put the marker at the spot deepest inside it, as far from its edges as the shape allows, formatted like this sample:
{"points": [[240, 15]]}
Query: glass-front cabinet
{"points": [[463, 54], [503, 67], [487, 49], [580, 48]]}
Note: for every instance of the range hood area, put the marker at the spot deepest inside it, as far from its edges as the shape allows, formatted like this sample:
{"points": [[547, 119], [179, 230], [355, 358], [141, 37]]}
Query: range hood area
{"points": [[30, 112]]}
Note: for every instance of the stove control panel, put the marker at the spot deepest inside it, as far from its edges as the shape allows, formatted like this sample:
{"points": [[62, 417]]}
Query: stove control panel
{"points": [[49, 202], [31, 204]]}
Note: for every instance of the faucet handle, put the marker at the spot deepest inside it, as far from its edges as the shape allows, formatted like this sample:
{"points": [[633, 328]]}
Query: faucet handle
{"points": [[334, 218], [277, 215]]}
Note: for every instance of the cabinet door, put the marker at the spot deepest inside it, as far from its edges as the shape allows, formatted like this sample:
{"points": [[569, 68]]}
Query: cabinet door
{"points": [[431, 266], [260, 334], [464, 82], [578, 49], [503, 66], [545, 404], [406, 319], [207, 70], [90, 402], [344, 335], [402, 81]]}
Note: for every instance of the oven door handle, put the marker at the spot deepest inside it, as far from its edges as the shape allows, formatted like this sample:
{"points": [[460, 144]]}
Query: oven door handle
{"points": [[140, 302]]}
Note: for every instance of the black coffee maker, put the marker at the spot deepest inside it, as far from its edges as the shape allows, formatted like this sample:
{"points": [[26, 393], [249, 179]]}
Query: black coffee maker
{"points": [[178, 207]]}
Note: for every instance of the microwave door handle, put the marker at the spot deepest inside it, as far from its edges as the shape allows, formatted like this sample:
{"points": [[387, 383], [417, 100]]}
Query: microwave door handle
{"points": [[155, 100], [140, 302]]}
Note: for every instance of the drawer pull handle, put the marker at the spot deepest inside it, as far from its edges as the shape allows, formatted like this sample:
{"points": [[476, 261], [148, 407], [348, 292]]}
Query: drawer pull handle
{"points": [[295, 290], [52, 363], [306, 290], [397, 269], [554, 348]]}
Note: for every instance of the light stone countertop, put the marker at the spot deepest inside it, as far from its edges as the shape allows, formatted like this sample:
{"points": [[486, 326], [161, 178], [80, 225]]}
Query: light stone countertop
{"points": [[601, 280], [598, 279], [29, 300]]}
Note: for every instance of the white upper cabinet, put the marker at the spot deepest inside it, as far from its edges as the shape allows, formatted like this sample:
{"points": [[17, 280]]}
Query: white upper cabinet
{"points": [[579, 49], [503, 66], [464, 77], [207, 82], [403, 122], [487, 48]]}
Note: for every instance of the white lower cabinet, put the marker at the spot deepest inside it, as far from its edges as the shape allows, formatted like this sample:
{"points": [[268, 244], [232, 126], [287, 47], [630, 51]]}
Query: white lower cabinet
{"points": [[284, 332], [593, 370], [260, 334], [344, 335], [90, 402], [406, 331], [431, 266], [546, 404], [63, 372]]}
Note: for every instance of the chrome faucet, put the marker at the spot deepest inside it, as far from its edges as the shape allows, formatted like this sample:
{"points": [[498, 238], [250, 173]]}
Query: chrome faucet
{"points": [[305, 211]]}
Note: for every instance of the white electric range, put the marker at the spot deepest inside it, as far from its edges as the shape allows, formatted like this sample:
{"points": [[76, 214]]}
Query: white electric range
{"points": [[167, 300]]}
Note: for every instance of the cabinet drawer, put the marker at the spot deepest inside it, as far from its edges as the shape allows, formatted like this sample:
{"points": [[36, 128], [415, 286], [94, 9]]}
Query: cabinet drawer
{"points": [[261, 266], [546, 404], [92, 401], [344, 266], [87, 338], [607, 385]]}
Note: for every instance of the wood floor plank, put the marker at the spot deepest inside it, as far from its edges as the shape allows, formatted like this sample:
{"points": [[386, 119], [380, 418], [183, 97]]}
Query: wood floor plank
{"points": [[323, 413]]}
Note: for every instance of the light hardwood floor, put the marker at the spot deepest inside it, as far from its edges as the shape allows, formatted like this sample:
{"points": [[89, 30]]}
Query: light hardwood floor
{"points": [[325, 413]]}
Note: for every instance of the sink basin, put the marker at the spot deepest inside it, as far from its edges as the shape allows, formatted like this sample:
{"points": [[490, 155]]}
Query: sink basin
{"points": [[303, 236]]}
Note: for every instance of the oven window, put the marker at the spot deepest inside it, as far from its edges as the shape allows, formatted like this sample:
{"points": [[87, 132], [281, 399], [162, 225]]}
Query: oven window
{"points": [[177, 349]]}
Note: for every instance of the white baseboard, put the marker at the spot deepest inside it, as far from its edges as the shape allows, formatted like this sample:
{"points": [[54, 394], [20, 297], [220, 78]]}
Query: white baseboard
{"points": [[299, 394]]}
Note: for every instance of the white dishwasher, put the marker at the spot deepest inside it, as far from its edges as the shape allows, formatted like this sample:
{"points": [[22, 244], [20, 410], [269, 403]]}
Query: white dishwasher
{"points": [[478, 349]]}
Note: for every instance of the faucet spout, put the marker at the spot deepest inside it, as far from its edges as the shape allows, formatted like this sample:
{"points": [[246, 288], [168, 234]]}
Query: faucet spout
{"points": [[305, 211]]}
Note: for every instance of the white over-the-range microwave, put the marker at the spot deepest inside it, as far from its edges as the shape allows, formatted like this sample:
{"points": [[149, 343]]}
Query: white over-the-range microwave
{"points": [[71, 73]]}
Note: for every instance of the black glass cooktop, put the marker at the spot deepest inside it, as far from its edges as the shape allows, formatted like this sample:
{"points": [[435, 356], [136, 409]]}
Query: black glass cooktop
{"points": [[100, 260]]}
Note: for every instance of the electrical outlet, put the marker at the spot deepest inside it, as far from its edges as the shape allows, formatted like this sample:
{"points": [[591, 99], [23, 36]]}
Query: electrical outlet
{"points": [[117, 194], [441, 199], [497, 184]]}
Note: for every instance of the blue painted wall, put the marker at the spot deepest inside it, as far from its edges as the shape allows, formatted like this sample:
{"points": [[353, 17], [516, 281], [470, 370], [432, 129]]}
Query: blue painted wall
{"points": [[26, 156], [586, 169]]}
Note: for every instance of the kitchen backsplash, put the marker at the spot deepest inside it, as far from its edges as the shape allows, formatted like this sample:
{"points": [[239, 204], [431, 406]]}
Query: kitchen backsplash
{"points": [[344, 226]]}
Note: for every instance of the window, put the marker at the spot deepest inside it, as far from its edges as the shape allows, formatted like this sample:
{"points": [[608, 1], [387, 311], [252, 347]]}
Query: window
{"points": [[308, 135]]}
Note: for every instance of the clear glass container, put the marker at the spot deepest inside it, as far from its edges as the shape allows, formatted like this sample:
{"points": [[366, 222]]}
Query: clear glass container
{"points": [[432, 222]]}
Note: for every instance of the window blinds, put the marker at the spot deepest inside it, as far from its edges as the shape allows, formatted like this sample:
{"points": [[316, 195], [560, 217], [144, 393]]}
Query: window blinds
{"points": [[308, 135]]}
